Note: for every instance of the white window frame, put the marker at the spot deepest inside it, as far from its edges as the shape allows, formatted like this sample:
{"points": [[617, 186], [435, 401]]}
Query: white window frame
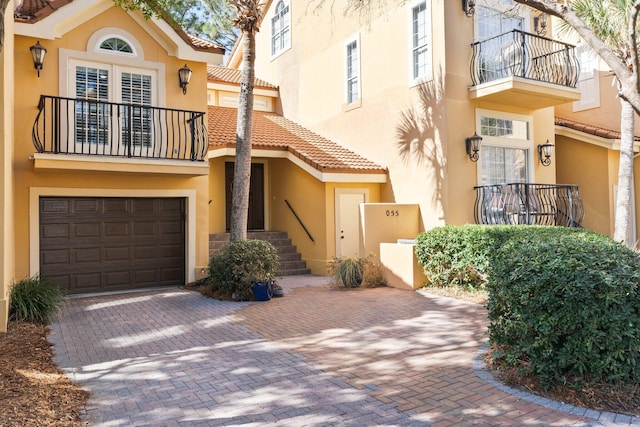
{"points": [[511, 8], [496, 141], [357, 75], [428, 73], [287, 16]]}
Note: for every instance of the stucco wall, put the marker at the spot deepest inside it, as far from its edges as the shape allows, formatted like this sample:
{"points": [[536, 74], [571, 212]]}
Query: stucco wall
{"points": [[104, 182], [7, 261], [576, 157]]}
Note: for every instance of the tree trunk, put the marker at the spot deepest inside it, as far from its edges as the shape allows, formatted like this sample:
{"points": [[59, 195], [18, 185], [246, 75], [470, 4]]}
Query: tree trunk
{"points": [[242, 169], [3, 10], [625, 176]]}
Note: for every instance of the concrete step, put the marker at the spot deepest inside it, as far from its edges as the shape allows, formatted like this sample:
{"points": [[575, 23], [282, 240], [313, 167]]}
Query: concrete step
{"points": [[291, 262]]}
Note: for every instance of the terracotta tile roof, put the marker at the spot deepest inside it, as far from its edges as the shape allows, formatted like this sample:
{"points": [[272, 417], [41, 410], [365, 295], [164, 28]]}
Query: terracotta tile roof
{"points": [[273, 132], [35, 10], [32, 11], [231, 75], [590, 129]]}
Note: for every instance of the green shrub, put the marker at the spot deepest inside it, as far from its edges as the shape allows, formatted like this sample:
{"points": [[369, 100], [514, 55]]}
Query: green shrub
{"points": [[347, 272], [566, 303], [241, 264], [34, 299], [457, 255]]}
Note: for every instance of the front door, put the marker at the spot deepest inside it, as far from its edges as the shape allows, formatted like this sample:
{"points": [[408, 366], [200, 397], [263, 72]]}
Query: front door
{"points": [[348, 235], [255, 220]]}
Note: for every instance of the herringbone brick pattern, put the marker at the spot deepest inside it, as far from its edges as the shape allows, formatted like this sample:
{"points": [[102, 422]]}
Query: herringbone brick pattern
{"points": [[316, 357]]}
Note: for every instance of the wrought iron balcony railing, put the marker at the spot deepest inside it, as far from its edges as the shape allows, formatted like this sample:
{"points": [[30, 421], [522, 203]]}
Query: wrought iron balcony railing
{"points": [[96, 128], [520, 54], [531, 204]]}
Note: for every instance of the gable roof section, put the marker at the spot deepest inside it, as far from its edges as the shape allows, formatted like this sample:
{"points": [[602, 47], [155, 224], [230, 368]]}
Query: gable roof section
{"points": [[276, 136], [232, 76], [590, 134], [30, 12]]}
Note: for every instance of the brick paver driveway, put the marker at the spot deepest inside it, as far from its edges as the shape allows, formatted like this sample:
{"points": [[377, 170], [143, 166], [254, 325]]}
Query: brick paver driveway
{"points": [[316, 357]]}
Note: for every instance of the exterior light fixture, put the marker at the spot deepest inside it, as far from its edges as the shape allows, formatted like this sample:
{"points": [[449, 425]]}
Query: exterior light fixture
{"points": [[184, 75], [472, 144], [540, 24], [38, 52], [468, 6], [544, 153]]}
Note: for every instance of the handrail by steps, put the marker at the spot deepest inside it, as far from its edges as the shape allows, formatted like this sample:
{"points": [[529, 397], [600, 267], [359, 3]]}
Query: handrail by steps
{"points": [[299, 220]]}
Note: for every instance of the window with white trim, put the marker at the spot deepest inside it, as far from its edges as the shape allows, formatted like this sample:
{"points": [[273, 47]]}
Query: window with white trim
{"points": [[421, 42], [116, 44], [112, 83], [280, 29], [352, 65], [505, 153]]}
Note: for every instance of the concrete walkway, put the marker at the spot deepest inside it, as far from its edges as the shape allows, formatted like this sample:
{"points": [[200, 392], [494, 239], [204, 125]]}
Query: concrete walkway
{"points": [[316, 357]]}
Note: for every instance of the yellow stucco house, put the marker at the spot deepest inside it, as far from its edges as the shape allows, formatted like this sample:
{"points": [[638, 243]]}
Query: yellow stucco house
{"points": [[411, 85], [105, 171]]}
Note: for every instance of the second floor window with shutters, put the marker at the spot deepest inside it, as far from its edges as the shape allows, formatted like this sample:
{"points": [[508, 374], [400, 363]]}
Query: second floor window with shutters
{"points": [[280, 29], [353, 71], [421, 42]]}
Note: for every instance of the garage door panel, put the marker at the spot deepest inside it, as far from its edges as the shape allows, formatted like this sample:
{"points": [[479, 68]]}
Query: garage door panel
{"points": [[142, 228], [87, 255], [89, 229], [55, 256], [115, 206], [86, 206], [51, 231], [85, 282], [112, 243], [54, 206]]}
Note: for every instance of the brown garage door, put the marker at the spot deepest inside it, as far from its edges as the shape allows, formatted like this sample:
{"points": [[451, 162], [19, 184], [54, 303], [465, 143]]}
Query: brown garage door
{"points": [[93, 244]]}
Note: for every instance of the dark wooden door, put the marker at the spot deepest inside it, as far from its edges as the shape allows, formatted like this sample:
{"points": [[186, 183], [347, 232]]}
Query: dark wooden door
{"points": [[96, 244], [255, 220]]}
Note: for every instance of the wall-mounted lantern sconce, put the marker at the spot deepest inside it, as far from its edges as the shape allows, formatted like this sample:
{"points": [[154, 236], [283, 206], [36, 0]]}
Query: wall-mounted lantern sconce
{"points": [[38, 52], [184, 75], [468, 6], [544, 153], [540, 24], [473, 146]]}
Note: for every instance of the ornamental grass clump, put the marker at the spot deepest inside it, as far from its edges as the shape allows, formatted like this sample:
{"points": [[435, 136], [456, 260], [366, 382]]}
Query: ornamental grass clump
{"points": [[347, 272], [239, 265], [35, 299]]}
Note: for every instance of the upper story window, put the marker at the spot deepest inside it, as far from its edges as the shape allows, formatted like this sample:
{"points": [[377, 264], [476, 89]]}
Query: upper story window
{"points": [[492, 23], [352, 51], [589, 80], [421, 42], [506, 151], [280, 29], [116, 44]]}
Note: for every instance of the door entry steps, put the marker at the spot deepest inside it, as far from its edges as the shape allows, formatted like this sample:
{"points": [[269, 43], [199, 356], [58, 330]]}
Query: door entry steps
{"points": [[291, 262]]}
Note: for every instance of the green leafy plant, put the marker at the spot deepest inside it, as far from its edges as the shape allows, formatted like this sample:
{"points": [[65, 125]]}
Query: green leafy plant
{"points": [[34, 299], [240, 264], [347, 272], [566, 305]]}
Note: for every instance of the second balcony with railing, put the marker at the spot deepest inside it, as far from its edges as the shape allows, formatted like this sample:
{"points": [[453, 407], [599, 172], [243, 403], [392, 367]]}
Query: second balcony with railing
{"points": [[529, 204], [524, 69], [81, 127]]}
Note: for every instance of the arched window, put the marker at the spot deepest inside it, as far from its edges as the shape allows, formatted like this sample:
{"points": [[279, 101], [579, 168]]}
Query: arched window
{"points": [[116, 44], [280, 29]]}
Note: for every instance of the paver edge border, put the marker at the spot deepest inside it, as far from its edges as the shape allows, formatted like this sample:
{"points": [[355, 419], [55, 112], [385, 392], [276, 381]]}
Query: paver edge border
{"points": [[481, 371]]}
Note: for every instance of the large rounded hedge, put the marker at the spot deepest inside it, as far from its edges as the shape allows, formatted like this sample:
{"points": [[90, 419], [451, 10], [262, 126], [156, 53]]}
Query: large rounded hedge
{"points": [[563, 302]]}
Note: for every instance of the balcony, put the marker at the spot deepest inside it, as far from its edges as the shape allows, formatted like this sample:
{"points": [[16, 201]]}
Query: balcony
{"points": [[109, 132], [525, 70], [531, 204]]}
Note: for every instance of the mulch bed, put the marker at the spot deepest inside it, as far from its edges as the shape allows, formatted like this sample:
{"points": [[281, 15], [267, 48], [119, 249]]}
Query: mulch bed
{"points": [[33, 391]]}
